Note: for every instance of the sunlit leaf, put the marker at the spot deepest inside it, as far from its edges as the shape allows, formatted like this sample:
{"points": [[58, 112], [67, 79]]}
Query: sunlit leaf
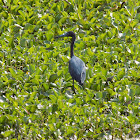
{"points": [[8, 133], [53, 77], [46, 86], [37, 99], [12, 72], [32, 68]]}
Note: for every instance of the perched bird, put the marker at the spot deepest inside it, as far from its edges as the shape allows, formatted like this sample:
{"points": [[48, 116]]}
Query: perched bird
{"points": [[77, 67]]}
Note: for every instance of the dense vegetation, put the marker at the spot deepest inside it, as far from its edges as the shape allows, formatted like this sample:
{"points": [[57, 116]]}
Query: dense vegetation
{"points": [[36, 97]]}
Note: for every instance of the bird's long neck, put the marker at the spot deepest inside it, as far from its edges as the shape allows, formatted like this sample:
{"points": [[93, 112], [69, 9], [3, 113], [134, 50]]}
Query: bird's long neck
{"points": [[72, 45]]}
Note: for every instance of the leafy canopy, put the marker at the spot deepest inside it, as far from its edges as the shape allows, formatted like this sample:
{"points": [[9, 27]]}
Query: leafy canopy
{"points": [[36, 99]]}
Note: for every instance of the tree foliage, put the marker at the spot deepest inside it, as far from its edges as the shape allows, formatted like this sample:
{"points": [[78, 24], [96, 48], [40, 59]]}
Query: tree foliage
{"points": [[36, 98]]}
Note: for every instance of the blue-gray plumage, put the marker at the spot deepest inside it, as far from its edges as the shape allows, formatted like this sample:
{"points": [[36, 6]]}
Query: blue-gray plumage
{"points": [[77, 67]]}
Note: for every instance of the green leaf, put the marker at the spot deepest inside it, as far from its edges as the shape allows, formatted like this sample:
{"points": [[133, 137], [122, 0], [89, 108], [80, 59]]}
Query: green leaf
{"points": [[31, 50], [70, 130], [53, 98], [36, 94], [13, 72], [114, 40], [53, 77], [23, 42], [49, 35], [33, 108], [46, 86], [22, 13], [121, 74], [32, 68], [54, 108], [8, 133]]}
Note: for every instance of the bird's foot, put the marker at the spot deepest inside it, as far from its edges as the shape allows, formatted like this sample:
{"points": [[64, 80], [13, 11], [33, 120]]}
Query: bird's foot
{"points": [[74, 92]]}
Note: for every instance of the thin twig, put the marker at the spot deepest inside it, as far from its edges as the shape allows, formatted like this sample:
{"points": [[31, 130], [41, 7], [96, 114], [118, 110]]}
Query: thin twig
{"points": [[67, 2]]}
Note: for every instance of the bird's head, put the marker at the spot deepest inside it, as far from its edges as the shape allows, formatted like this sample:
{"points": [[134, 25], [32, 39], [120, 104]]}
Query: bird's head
{"points": [[68, 34]]}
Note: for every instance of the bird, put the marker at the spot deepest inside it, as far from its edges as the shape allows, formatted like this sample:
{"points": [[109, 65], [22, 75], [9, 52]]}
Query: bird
{"points": [[77, 68]]}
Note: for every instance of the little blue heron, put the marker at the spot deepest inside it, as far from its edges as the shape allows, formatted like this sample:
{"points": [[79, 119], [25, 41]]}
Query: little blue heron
{"points": [[77, 67]]}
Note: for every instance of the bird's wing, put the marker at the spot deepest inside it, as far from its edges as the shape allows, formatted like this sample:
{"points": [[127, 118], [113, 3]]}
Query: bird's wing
{"points": [[77, 69], [83, 74]]}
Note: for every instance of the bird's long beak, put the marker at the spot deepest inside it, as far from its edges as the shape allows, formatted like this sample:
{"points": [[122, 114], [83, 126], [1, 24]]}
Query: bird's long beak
{"points": [[63, 35]]}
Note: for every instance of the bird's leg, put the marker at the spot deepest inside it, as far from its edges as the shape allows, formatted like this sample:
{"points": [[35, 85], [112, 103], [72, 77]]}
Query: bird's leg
{"points": [[83, 87], [73, 87]]}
